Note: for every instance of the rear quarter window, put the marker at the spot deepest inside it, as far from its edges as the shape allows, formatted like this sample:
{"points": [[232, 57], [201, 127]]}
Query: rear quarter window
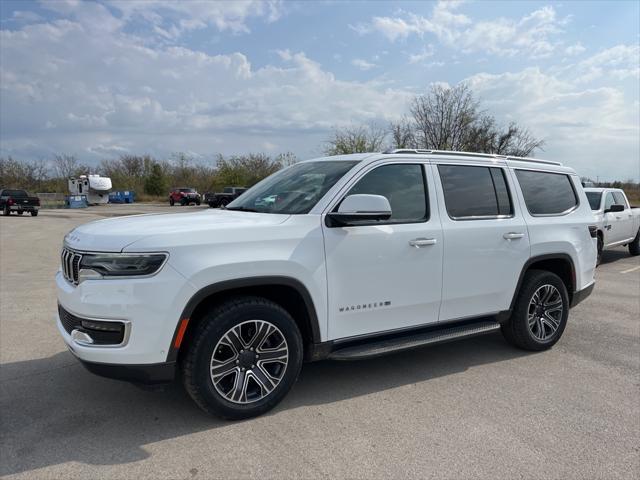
{"points": [[547, 193]]}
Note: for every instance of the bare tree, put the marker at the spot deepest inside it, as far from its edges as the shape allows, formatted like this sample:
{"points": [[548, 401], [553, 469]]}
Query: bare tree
{"points": [[450, 119], [352, 139], [402, 134], [66, 165], [442, 118]]}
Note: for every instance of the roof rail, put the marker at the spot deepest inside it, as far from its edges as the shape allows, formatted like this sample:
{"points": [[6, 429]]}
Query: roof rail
{"points": [[406, 150], [469, 154]]}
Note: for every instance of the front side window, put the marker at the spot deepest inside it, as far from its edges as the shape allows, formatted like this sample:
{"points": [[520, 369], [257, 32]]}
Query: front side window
{"points": [[403, 185], [620, 200], [547, 193], [294, 190], [594, 199], [609, 200], [475, 192]]}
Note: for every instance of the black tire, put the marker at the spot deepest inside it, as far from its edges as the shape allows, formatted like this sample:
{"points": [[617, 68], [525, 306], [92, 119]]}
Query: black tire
{"points": [[20, 212], [215, 324], [223, 203], [172, 202], [6, 211], [183, 202], [198, 202], [34, 213], [634, 246], [600, 250], [517, 331]]}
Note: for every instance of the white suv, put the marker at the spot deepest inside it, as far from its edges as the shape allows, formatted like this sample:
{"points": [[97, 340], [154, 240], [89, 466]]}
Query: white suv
{"points": [[344, 257]]}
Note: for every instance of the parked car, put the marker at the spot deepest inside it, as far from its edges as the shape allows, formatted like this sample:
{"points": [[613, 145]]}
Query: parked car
{"points": [[228, 195], [19, 201], [184, 196], [352, 257], [617, 221]]}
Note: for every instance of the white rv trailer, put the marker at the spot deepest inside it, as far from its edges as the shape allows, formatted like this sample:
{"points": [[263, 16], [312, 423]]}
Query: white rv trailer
{"points": [[95, 187]]}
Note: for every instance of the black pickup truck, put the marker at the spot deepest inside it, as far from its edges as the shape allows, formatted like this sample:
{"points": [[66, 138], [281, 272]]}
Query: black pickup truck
{"points": [[18, 201], [228, 195]]}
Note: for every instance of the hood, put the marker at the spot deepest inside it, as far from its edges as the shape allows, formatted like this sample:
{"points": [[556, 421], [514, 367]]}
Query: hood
{"points": [[114, 234]]}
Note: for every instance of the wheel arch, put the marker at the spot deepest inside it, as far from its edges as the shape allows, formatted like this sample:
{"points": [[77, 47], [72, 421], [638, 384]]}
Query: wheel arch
{"points": [[559, 263], [288, 292]]}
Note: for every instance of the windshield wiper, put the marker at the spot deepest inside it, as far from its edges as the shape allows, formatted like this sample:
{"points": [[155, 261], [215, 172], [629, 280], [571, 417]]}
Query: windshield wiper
{"points": [[241, 209]]}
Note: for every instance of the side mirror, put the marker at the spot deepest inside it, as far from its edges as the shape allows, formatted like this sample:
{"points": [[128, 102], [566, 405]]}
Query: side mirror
{"points": [[615, 208], [356, 209]]}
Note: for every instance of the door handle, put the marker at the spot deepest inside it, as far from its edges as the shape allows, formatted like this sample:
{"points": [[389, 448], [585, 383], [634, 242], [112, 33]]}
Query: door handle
{"points": [[513, 235], [422, 242]]}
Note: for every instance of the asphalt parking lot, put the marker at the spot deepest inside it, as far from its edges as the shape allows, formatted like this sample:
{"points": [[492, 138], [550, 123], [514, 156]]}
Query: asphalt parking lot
{"points": [[472, 409]]}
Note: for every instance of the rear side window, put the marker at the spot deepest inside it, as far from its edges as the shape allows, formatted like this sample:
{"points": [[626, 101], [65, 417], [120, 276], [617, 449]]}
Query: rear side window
{"points": [[471, 192], [620, 199], [404, 187], [594, 199], [547, 193]]}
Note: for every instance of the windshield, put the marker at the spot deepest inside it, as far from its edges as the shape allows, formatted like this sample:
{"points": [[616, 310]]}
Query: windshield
{"points": [[594, 199], [294, 190], [187, 190]]}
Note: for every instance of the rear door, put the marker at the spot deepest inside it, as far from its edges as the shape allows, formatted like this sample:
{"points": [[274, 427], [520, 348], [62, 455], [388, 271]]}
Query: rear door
{"points": [[486, 242], [386, 275]]}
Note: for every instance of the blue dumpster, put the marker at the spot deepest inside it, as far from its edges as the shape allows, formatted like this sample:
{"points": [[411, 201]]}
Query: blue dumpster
{"points": [[76, 201], [125, 196]]}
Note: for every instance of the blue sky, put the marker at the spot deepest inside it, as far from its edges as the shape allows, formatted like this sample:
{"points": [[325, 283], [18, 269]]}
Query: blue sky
{"points": [[98, 79]]}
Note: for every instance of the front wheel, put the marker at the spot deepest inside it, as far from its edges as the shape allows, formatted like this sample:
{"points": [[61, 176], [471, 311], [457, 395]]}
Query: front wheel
{"points": [[243, 358], [540, 314], [634, 246]]}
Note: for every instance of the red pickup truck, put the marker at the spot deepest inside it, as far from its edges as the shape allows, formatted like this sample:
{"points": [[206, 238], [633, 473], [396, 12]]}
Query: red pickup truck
{"points": [[184, 196], [18, 201]]}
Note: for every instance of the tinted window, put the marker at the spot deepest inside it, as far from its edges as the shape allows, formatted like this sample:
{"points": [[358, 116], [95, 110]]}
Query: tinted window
{"points": [[609, 200], [594, 199], [475, 191], [620, 199], [403, 186], [546, 193]]}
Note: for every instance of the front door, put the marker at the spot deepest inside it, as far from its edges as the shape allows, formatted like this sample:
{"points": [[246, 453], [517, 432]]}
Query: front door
{"points": [[386, 276]]}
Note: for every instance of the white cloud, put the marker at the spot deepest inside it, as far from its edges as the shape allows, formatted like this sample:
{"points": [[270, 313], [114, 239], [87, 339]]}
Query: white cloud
{"points": [[593, 130], [426, 53], [362, 64], [619, 62], [117, 92], [575, 49], [531, 35]]}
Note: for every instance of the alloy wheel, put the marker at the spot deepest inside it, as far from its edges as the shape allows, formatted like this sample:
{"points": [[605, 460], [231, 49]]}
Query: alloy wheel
{"points": [[545, 312], [249, 361]]}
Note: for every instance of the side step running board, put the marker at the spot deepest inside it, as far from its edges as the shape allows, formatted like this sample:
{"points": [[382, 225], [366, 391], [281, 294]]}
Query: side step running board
{"points": [[407, 342]]}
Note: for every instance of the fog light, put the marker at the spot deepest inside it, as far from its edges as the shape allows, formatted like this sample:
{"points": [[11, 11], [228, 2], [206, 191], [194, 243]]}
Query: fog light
{"points": [[81, 337]]}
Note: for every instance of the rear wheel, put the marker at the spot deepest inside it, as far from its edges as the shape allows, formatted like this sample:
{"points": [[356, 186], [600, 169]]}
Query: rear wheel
{"points": [[34, 213], [244, 357], [634, 246], [540, 314], [172, 202]]}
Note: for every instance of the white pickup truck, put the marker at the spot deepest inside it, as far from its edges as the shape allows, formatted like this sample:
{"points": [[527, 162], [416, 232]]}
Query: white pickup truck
{"points": [[618, 222], [345, 258]]}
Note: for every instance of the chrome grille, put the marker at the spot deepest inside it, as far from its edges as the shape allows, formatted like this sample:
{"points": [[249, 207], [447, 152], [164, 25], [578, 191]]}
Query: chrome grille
{"points": [[70, 261]]}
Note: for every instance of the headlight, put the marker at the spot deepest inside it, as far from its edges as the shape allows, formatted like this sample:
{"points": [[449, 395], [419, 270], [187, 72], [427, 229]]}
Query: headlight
{"points": [[98, 265]]}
